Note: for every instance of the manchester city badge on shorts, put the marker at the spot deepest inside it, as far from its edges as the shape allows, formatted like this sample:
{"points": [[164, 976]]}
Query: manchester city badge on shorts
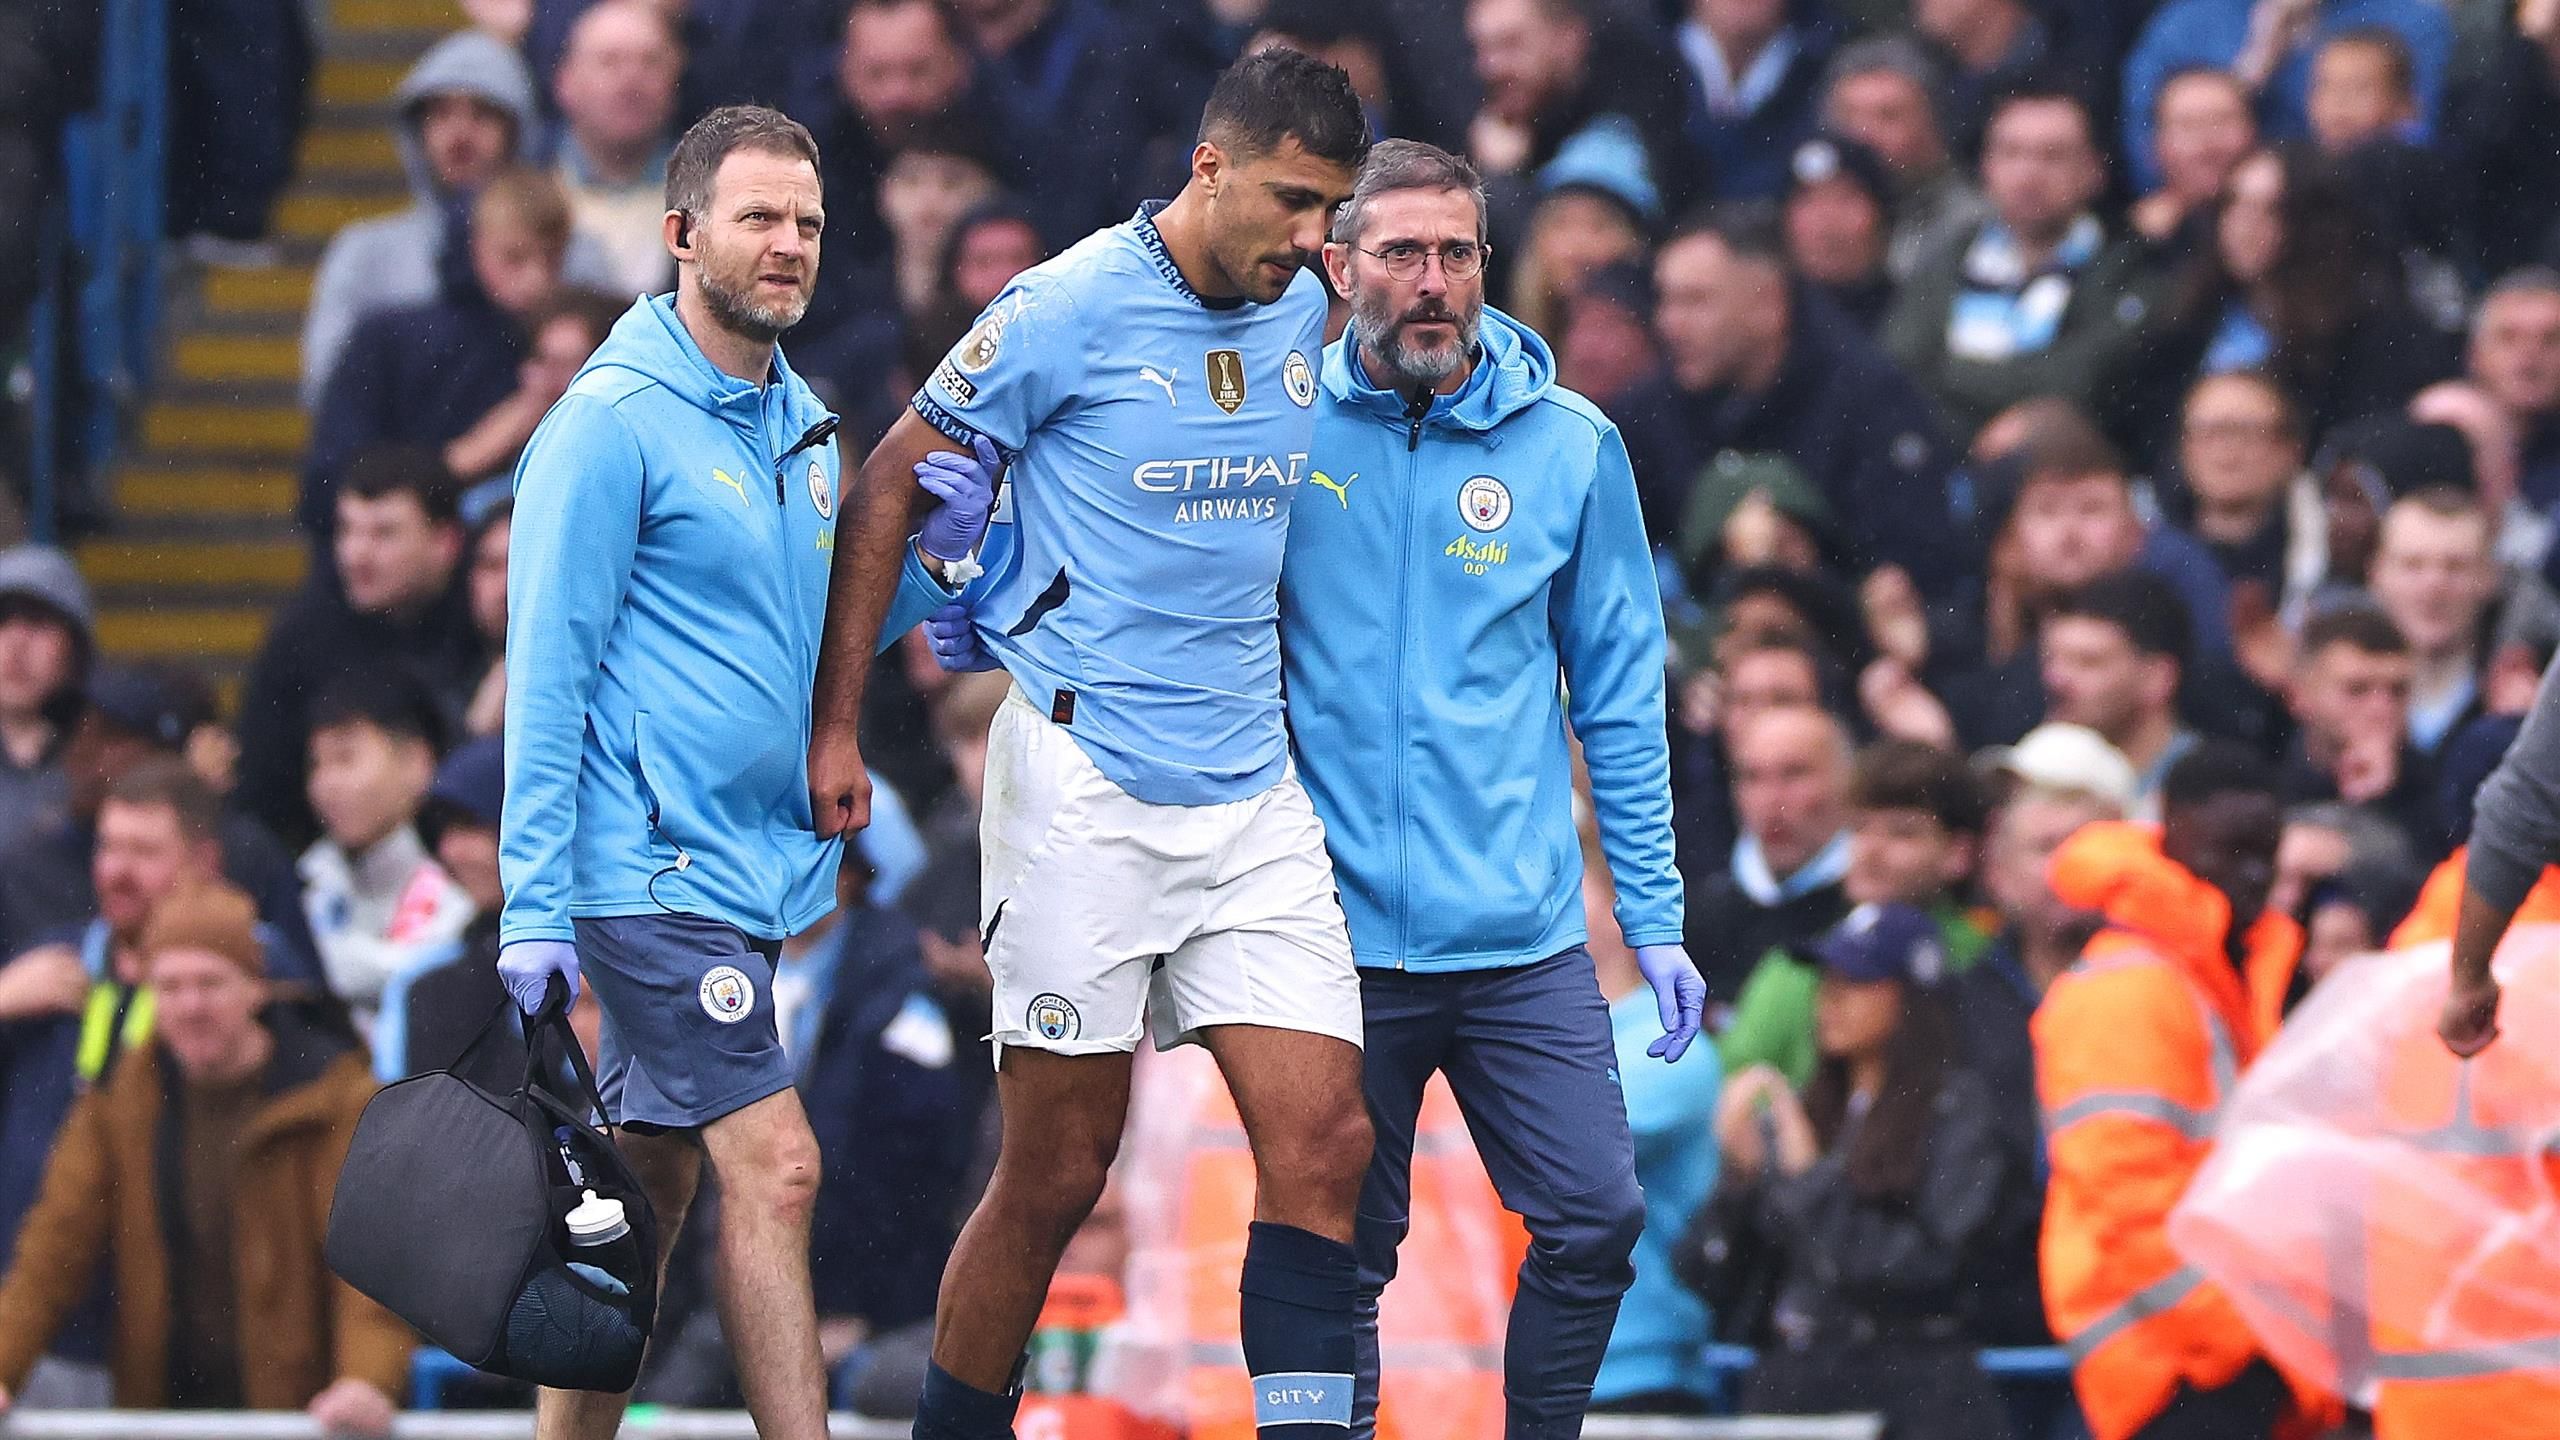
{"points": [[1054, 1017], [821, 494], [727, 995]]}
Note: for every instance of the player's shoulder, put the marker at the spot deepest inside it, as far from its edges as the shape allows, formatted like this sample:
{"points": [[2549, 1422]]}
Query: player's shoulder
{"points": [[1093, 269]]}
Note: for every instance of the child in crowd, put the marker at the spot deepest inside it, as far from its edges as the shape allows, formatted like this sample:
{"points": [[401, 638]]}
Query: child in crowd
{"points": [[378, 902], [1915, 832]]}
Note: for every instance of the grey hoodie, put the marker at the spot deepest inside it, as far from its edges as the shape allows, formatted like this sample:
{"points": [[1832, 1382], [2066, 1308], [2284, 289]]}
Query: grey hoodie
{"points": [[34, 796], [390, 260]]}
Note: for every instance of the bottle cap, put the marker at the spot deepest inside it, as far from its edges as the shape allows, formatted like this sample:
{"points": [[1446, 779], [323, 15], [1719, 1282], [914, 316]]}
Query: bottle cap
{"points": [[596, 1221]]}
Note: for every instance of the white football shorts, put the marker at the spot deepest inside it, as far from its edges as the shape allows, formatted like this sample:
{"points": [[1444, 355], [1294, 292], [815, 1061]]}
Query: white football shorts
{"points": [[1105, 915]]}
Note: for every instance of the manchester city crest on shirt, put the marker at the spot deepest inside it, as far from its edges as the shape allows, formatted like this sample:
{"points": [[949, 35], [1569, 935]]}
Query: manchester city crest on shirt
{"points": [[821, 494], [1226, 379], [1484, 503], [1299, 379]]}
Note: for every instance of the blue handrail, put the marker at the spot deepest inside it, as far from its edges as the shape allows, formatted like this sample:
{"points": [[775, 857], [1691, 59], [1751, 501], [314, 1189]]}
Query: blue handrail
{"points": [[98, 309]]}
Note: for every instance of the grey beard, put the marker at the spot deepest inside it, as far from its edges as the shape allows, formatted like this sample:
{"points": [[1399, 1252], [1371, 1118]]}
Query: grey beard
{"points": [[739, 315], [1407, 366]]}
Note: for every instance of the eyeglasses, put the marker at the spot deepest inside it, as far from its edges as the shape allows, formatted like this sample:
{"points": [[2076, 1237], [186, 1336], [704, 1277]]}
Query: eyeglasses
{"points": [[1459, 259]]}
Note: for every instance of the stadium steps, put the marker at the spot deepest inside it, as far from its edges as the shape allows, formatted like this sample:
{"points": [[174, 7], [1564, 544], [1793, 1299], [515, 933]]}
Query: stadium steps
{"points": [[203, 546]]}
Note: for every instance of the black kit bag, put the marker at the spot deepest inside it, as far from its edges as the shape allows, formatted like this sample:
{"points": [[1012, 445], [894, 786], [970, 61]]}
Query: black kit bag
{"points": [[449, 1212]]}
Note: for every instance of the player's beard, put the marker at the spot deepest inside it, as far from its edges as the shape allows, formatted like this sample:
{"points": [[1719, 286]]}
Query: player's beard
{"points": [[739, 313], [1408, 365]]}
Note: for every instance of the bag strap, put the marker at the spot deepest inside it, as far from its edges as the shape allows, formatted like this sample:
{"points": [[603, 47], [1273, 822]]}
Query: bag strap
{"points": [[553, 1019]]}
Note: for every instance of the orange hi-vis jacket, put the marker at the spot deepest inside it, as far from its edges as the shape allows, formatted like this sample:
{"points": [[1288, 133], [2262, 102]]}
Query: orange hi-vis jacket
{"points": [[2439, 906], [2462, 1263], [2137, 1047]]}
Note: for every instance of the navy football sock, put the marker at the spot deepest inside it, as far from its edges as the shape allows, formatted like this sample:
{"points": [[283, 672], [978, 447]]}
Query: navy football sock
{"points": [[953, 1409], [1299, 1290]]}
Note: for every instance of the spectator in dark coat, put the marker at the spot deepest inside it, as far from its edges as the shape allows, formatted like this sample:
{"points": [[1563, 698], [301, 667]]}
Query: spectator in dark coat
{"points": [[737, 52], [1865, 1203], [2515, 360], [1553, 70], [902, 69], [2054, 792], [135, 716], [1781, 886], [2292, 285], [2350, 703], [1838, 209], [398, 546], [1764, 364], [1754, 70], [1067, 81], [239, 72], [2502, 126], [431, 375], [2039, 299], [1992, 44]]}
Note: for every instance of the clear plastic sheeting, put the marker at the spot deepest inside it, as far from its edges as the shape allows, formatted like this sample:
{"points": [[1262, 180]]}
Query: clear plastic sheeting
{"points": [[2379, 1211]]}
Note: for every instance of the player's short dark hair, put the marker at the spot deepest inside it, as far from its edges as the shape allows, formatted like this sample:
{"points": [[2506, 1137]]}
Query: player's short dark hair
{"points": [[2216, 767], [1277, 92], [708, 141], [165, 780], [2037, 87], [2142, 605], [384, 696], [1910, 775], [2362, 627], [379, 472], [1395, 165], [2398, 64]]}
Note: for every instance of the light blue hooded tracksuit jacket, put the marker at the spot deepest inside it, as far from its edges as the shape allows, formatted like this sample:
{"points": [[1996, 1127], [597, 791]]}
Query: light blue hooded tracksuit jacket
{"points": [[1440, 576], [666, 591]]}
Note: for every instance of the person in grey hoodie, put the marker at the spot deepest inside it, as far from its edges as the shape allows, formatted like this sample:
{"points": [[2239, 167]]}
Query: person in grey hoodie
{"points": [[45, 643], [465, 111]]}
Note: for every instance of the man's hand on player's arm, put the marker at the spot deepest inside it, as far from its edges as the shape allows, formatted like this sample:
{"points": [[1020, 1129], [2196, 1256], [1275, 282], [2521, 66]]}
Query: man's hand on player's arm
{"points": [[879, 510]]}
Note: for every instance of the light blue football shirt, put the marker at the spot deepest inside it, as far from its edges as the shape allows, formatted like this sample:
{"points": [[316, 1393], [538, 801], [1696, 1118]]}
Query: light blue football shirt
{"points": [[1155, 440]]}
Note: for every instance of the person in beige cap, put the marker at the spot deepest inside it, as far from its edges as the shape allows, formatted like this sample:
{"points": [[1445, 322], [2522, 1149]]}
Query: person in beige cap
{"points": [[222, 1298]]}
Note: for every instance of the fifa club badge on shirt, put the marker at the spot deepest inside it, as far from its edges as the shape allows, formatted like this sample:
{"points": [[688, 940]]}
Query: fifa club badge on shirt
{"points": [[1226, 379], [1299, 379], [821, 494], [1484, 503], [727, 995]]}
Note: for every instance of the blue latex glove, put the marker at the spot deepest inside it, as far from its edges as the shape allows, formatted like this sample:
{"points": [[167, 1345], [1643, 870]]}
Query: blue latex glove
{"points": [[526, 968], [954, 638], [1680, 992], [966, 486]]}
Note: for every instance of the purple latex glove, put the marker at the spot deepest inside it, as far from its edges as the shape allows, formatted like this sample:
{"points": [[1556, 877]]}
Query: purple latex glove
{"points": [[954, 638], [966, 486], [526, 968], [1681, 994]]}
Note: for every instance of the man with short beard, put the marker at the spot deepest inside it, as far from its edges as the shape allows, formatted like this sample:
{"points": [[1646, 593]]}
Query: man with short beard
{"points": [[1468, 539], [673, 528]]}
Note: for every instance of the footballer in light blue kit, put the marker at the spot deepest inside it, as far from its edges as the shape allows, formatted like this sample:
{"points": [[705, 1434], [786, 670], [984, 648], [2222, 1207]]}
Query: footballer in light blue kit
{"points": [[1149, 860]]}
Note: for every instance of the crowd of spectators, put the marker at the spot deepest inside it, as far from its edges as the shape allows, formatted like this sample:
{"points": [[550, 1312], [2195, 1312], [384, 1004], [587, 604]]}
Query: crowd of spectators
{"points": [[2022, 396]]}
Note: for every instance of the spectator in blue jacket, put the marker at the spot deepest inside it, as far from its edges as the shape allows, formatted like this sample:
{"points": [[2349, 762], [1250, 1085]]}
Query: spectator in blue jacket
{"points": [[2269, 45]]}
